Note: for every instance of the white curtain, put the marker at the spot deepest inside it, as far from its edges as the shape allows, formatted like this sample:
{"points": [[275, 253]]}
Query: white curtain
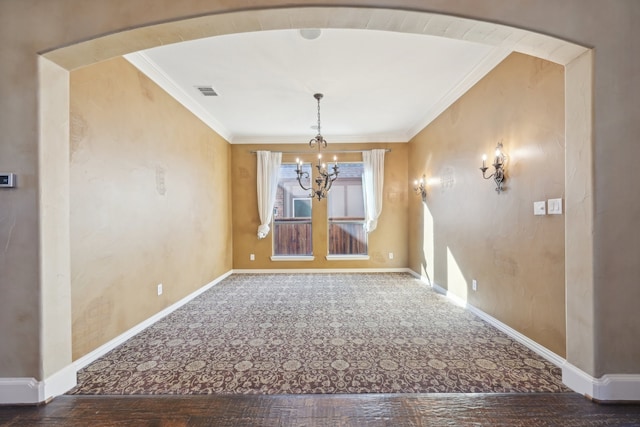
{"points": [[373, 179], [268, 170]]}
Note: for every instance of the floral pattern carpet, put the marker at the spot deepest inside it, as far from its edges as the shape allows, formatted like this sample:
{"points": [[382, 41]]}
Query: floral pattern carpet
{"points": [[319, 333]]}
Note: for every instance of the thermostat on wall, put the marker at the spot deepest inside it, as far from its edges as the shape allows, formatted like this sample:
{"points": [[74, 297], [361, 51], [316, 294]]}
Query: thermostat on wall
{"points": [[7, 180]]}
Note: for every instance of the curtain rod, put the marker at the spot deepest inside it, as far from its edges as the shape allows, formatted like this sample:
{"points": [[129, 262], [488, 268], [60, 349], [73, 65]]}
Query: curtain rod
{"points": [[387, 150]]}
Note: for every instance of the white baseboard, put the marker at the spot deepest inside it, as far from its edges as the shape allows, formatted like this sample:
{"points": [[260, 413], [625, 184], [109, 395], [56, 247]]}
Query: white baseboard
{"points": [[608, 388], [29, 391], [319, 270], [60, 382], [120, 339], [522, 339], [21, 391]]}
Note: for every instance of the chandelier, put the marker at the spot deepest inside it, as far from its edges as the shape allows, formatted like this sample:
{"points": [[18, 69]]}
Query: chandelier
{"points": [[325, 179]]}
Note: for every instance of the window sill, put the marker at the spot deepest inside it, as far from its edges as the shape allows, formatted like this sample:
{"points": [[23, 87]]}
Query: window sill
{"points": [[292, 258], [347, 257]]}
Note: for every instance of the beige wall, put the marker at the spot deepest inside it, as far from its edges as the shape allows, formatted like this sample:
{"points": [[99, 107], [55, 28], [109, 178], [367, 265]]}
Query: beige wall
{"points": [[390, 236], [466, 230], [608, 283], [150, 202]]}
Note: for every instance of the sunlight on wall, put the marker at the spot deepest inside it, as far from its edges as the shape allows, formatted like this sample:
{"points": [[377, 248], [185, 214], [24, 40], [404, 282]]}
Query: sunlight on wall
{"points": [[456, 283], [428, 244]]}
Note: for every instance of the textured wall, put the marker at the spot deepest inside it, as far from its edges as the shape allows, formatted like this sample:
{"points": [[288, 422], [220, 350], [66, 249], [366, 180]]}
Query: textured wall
{"points": [[150, 202], [390, 236], [466, 231]]}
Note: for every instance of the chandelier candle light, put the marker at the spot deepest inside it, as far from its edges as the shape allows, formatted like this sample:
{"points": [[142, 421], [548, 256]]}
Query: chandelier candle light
{"points": [[325, 179]]}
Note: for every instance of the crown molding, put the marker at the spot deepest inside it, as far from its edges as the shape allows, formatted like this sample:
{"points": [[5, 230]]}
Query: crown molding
{"points": [[148, 67], [489, 62]]}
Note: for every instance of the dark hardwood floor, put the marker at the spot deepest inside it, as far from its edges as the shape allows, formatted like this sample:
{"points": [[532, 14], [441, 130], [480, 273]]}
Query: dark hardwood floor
{"points": [[531, 409]]}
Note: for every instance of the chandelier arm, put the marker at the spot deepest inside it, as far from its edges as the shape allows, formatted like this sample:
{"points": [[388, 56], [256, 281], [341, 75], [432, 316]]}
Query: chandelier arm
{"points": [[330, 177], [328, 184], [304, 175]]}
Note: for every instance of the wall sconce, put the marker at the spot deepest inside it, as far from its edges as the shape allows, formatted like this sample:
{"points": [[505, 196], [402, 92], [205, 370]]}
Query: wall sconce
{"points": [[498, 166], [419, 186]]}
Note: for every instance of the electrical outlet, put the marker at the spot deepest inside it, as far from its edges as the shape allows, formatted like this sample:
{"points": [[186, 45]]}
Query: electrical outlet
{"points": [[474, 284], [390, 255], [539, 208], [252, 257], [159, 289]]}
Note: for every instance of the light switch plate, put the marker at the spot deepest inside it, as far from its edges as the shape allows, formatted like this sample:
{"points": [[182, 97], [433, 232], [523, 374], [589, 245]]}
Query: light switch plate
{"points": [[555, 206], [539, 208]]}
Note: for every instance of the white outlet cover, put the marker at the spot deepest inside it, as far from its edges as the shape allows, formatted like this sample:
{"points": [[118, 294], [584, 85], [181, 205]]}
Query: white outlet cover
{"points": [[555, 206], [539, 208]]}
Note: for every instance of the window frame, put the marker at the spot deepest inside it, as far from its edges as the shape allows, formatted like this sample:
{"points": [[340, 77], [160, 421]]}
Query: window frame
{"points": [[285, 219], [360, 222]]}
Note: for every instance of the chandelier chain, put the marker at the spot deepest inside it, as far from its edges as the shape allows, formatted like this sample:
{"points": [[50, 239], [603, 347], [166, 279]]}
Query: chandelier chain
{"points": [[318, 139], [319, 131]]}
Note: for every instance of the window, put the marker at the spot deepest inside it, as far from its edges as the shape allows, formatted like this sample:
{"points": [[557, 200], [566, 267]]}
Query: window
{"points": [[346, 212], [292, 215]]}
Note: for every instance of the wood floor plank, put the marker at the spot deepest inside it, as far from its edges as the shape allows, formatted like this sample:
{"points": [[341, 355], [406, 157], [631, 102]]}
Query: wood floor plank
{"points": [[527, 409]]}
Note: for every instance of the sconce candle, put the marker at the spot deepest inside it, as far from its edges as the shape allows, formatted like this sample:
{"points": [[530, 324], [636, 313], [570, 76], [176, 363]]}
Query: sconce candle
{"points": [[420, 188], [499, 168]]}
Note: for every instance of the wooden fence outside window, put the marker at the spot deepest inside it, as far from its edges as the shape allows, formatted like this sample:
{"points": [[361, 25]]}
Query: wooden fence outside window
{"points": [[294, 237]]}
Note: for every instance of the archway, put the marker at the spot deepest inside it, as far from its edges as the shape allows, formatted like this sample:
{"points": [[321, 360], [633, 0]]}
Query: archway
{"points": [[54, 140]]}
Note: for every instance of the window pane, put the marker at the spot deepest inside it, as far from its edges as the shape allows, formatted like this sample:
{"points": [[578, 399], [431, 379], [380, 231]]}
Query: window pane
{"points": [[346, 212], [302, 208], [292, 215], [346, 199]]}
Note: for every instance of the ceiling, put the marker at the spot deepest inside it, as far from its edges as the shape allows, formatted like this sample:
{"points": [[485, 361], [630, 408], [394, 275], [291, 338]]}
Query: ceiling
{"points": [[378, 86]]}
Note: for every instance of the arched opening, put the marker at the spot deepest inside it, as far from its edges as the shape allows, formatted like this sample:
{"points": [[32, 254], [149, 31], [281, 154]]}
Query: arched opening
{"points": [[54, 139]]}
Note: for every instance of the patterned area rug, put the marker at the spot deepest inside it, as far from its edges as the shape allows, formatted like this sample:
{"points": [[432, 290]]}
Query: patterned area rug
{"points": [[319, 333]]}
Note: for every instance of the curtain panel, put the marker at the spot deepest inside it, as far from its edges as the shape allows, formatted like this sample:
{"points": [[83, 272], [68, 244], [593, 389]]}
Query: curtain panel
{"points": [[373, 179], [268, 171]]}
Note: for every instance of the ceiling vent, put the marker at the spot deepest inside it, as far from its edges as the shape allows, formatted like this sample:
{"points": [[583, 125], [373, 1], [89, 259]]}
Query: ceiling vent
{"points": [[207, 91]]}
